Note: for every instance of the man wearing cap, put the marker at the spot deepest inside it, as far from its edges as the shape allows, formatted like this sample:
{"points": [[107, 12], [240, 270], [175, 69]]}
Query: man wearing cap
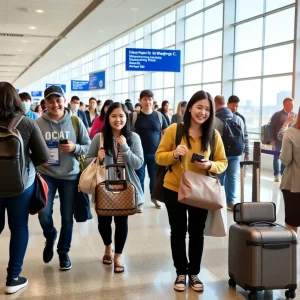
{"points": [[61, 172]]}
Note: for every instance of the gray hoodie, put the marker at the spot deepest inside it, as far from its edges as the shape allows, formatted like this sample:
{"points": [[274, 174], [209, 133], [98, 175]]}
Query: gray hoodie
{"points": [[54, 131]]}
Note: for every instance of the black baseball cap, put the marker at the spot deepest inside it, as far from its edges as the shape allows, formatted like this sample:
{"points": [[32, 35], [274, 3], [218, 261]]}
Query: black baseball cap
{"points": [[53, 90]]}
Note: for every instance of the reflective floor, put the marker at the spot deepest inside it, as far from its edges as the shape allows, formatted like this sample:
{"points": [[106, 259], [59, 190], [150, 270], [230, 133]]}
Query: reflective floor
{"points": [[149, 270]]}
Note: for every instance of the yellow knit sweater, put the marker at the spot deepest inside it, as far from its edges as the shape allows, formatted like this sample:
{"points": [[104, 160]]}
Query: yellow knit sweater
{"points": [[164, 157]]}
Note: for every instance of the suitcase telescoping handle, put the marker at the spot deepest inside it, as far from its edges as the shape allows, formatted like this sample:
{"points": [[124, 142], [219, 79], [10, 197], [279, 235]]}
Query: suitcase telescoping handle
{"points": [[255, 181], [120, 167]]}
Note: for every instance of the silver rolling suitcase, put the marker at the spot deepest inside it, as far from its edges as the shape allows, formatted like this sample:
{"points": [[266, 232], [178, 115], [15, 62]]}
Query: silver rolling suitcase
{"points": [[262, 254]]}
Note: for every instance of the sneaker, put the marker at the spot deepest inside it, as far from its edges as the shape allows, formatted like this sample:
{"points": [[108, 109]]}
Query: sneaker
{"points": [[180, 282], [64, 262], [195, 283], [156, 203], [277, 179], [48, 250], [12, 285], [140, 208], [230, 206]]}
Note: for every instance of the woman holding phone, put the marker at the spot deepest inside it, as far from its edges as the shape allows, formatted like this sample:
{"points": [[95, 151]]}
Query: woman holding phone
{"points": [[198, 130]]}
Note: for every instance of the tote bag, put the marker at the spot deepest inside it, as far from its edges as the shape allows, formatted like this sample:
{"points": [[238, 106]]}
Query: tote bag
{"points": [[92, 175]]}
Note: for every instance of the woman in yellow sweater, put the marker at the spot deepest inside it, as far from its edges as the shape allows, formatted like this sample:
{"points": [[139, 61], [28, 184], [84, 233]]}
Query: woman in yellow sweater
{"points": [[198, 129]]}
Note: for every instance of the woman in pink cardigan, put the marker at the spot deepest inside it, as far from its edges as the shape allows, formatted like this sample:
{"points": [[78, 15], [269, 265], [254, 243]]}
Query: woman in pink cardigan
{"points": [[99, 121]]}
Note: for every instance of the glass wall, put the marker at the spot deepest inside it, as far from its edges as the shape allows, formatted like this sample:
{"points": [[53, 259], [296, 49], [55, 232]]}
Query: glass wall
{"points": [[260, 72]]}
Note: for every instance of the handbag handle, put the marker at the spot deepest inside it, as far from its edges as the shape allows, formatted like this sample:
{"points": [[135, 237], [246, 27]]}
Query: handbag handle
{"points": [[110, 183]]}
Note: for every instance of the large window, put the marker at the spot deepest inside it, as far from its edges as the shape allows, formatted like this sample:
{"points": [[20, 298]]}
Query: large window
{"points": [[263, 58], [203, 47], [252, 56]]}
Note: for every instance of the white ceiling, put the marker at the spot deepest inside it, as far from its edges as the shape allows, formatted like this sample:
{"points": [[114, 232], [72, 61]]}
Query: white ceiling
{"points": [[108, 20], [16, 16]]}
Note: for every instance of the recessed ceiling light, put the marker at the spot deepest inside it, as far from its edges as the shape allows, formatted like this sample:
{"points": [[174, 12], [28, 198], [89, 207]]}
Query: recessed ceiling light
{"points": [[24, 41], [32, 27], [134, 8], [13, 62], [20, 50], [40, 11]]}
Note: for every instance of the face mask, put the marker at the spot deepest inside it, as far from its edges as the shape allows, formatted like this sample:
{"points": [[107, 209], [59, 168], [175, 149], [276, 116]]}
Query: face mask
{"points": [[26, 106], [74, 107]]}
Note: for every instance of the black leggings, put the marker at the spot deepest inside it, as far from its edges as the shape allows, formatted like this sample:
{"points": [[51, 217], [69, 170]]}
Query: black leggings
{"points": [[180, 224], [121, 231]]}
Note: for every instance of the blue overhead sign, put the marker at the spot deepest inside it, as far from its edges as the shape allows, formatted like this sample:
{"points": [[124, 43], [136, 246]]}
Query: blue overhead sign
{"points": [[79, 85], [18, 90], [154, 60], [97, 81], [37, 94], [63, 86]]}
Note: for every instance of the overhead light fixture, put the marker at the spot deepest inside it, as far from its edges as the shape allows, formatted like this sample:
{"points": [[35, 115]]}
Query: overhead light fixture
{"points": [[134, 8], [20, 50], [40, 11], [32, 27], [24, 41], [13, 62]]}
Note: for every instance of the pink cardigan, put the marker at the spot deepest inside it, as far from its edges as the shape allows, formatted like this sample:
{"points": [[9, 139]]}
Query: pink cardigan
{"points": [[96, 127]]}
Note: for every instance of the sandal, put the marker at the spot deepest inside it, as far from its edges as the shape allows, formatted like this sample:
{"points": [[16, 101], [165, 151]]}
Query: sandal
{"points": [[108, 258], [118, 267]]}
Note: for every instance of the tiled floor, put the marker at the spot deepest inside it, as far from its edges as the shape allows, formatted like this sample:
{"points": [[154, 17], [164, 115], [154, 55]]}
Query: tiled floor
{"points": [[149, 271]]}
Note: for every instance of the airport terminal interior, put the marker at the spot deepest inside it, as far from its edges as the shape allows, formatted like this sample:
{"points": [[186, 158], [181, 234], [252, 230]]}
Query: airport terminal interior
{"points": [[248, 48]]}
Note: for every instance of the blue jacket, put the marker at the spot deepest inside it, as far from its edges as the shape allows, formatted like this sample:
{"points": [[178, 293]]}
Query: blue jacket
{"points": [[32, 115]]}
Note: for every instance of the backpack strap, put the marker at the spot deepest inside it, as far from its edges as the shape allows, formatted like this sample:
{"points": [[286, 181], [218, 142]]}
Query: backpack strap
{"points": [[75, 123], [179, 134], [160, 116], [15, 121], [212, 146], [134, 118]]}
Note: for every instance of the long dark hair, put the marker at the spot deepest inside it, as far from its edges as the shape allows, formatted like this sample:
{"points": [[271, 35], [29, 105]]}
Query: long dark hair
{"points": [[106, 103], [207, 127], [129, 106], [163, 106], [107, 130], [10, 102]]}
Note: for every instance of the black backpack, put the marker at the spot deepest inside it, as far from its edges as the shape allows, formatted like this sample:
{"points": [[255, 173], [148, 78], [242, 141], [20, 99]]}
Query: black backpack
{"points": [[233, 137], [14, 172], [160, 171]]}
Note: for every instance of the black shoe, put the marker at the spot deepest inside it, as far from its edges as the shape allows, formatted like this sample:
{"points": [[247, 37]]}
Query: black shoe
{"points": [[12, 285], [195, 283], [48, 250], [180, 282], [64, 262]]}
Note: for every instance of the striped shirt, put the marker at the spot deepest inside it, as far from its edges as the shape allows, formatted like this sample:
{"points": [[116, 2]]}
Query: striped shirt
{"points": [[118, 159]]}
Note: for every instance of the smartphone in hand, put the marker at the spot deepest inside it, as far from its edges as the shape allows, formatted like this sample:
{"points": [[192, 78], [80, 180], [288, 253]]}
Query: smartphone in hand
{"points": [[196, 157], [64, 141]]}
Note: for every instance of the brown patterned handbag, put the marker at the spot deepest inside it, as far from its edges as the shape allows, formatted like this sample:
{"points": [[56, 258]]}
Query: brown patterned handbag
{"points": [[116, 197]]}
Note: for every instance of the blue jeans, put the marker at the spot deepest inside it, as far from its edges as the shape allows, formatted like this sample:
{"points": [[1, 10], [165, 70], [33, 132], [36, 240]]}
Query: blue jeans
{"points": [[67, 190], [229, 178], [17, 211], [149, 161], [278, 167]]}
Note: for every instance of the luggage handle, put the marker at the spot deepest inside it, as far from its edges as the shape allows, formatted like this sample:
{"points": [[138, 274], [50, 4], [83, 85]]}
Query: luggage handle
{"points": [[115, 166], [263, 223], [108, 187], [276, 246], [249, 163]]}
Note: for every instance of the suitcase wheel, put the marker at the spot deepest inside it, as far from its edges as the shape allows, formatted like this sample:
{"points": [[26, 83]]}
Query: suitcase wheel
{"points": [[290, 294], [231, 283], [252, 296]]}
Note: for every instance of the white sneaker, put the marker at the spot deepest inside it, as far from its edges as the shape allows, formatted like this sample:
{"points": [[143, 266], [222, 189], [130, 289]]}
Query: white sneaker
{"points": [[156, 203], [140, 208], [195, 283], [180, 283]]}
